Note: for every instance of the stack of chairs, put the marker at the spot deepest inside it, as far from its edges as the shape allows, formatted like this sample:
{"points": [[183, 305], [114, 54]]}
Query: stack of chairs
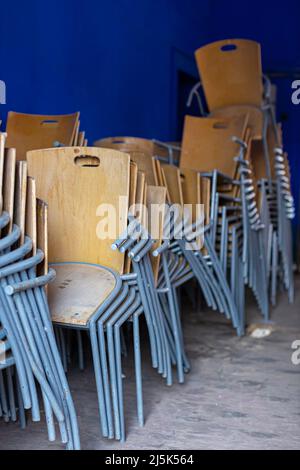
{"points": [[233, 84], [34, 131], [97, 289], [30, 360], [131, 221], [164, 151], [213, 146]]}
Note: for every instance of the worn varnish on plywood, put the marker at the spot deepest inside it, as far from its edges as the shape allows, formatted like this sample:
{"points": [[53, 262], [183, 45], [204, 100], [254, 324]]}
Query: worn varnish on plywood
{"points": [[33, 131], [77, 291], [231, 73], [76, 182]]}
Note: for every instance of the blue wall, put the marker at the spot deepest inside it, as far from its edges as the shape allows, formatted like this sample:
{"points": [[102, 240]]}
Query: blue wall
{"points": [[113, 60], [116, 60], [276, 25]]}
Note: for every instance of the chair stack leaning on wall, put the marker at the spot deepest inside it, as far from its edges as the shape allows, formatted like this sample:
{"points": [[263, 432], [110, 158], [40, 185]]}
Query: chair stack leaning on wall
{"points": [[95, 289], [131, 221], [233, 84], [30, 359]]}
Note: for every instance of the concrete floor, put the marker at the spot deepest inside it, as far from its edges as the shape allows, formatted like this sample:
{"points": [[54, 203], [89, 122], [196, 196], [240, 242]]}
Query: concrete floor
{"points": [[241, 393]]}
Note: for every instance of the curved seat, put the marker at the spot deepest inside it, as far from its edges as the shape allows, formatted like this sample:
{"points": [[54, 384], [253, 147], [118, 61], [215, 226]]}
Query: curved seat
{"points": [[67, 303]]}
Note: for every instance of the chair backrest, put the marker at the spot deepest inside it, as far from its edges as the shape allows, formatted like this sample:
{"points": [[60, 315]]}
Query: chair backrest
{"points": [[231, 73], [20, 193], [155, 203], [2, 150], [137, 144], [80, 184], [207, 143], [191, 189], [145, 163], [42, 234], [9, 174], [33, 131], [127, 144], [171, 177], [255, 117], [140, 150]]}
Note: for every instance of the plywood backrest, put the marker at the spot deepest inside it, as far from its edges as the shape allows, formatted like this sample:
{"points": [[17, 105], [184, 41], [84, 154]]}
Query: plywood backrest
{"points": [[140, 151], [80, 184], [159, 180], [42, 234], [171, 175], [132, 186], [2, 150], [127, 144], [145, 164], [20, 197], [31, 213], [135, 144], [33, 131], [76, 134], [140, 195], [231, 73], [255, 117], [207, 143], [205, 196], [155, 202], [191, 189], [131, 205], [9, 173]]}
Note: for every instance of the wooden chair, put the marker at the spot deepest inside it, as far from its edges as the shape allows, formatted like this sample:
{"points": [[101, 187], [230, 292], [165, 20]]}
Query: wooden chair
{"points": [[231, 73], [75, 182], [33, 131], [24, 306], [207, 143]]}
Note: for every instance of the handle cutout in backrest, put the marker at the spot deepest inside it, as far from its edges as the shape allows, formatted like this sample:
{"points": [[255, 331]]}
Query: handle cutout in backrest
{"points": [[49, 123], [220, 125], [118, 141], [87, 161], [228, 47]]}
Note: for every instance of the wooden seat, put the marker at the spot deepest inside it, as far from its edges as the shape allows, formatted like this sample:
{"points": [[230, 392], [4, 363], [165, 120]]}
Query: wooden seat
{"points": [[33, 131], [78, 291]]}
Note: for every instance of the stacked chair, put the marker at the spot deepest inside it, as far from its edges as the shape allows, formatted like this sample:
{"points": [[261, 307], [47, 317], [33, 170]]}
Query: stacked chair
{"points": [[94, 289], [131, 221], [30, 359], [242, 89], [33, 131]]}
